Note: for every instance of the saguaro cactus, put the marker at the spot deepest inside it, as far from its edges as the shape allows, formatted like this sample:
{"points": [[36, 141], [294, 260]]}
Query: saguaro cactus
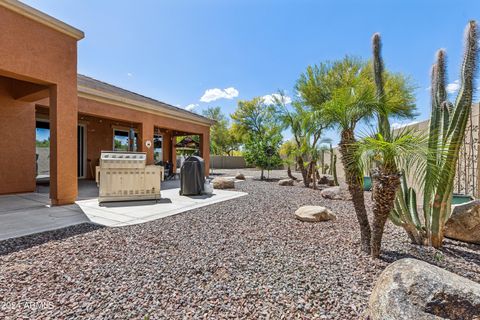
{"points": [[446, 133]]}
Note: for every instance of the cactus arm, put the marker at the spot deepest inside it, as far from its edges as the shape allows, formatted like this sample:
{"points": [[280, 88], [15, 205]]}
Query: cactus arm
{"points": [[433, 155], [441, 208], [378, 69], [412, 206]]}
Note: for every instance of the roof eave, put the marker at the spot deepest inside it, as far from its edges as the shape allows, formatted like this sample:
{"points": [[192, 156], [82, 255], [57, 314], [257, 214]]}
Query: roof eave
{"points": [[43, 18], [89, 93]]}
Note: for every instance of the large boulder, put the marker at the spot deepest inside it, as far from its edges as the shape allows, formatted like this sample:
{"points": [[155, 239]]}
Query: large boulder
{"points": [[413, 289], [285, 182], [464, 224], [223, 183], [240, 176], [333, 193], [327, 180], [314, 214]]}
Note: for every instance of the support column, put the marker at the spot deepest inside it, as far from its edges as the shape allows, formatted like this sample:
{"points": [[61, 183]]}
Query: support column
{"points": [[146, 134], [63, 144], [166, 147], [205, 150], [173, 142]]}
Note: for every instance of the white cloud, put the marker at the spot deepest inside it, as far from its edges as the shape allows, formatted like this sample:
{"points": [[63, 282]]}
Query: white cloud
{"points": [[216, 93], [453, 87], [270, 98], [397, 125], [130, 74], [191, 106]]}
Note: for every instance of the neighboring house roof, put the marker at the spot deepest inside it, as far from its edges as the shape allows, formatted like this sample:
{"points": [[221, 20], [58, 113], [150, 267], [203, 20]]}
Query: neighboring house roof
{"points": [[89, 87]]}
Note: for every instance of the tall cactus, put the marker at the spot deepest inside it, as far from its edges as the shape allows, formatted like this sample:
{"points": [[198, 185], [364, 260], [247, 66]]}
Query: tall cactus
{"points": [[438, 209], [446, 133]]}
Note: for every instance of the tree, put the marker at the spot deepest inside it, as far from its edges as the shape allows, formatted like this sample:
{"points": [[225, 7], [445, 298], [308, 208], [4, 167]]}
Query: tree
{"points": [[222, 139], [263, 152], [307, 125], [288, 151], [257, 124], [349, 92], [388, 148]]}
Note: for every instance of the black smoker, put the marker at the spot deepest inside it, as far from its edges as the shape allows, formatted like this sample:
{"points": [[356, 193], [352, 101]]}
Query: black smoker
{"points": [[192, 176]]}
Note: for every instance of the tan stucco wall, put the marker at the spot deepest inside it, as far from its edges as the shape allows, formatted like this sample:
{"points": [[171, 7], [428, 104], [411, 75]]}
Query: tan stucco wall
{"points": [[33, 52], [147, 122], [17, 131], [46, 57]]}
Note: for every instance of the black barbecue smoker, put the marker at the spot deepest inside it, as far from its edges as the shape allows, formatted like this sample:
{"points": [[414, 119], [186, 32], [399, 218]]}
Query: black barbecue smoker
{"points": [[192, 176]]}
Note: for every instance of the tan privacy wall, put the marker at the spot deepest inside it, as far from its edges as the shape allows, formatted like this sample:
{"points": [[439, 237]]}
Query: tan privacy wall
{"points": [[468, 166], [227, 162]]}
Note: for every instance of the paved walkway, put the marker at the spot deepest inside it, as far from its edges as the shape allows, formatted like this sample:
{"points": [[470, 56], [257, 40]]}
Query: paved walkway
{"points": [[31, 213]]}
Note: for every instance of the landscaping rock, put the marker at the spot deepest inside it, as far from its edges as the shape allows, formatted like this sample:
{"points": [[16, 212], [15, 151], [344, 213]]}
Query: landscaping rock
{"points": [[285, 182], [240, 176], [413, 289], [464, 224], [326, 179], [314, 214], [223, 183], [333, 193]]}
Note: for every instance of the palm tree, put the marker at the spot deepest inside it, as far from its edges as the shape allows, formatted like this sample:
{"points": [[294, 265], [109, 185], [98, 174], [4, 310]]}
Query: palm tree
{"points": [[349, 94], [387, 147], [307, 125]]}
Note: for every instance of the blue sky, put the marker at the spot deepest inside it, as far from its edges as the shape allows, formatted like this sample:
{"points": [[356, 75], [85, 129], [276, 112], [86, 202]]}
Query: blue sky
{"points": [[177, 50]]}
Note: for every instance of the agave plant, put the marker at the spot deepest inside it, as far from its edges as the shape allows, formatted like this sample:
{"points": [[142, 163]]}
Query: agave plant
{"points": [[446, 133]]}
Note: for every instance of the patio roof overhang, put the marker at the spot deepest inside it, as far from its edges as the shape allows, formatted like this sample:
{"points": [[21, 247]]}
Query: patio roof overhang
{"points": [[93, 89]]}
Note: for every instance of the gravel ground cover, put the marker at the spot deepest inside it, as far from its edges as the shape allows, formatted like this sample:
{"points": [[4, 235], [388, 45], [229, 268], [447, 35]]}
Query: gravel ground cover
{"points": [[244, 258]]}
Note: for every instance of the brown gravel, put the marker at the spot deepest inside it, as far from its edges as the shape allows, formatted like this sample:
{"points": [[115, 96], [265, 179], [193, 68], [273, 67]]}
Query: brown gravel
{"points": [[244, 258]]}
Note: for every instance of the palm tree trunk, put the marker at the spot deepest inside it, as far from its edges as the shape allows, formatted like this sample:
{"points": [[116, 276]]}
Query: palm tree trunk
{"points": [[289, 173], [354, 180], [385, 185], [303, 170]]}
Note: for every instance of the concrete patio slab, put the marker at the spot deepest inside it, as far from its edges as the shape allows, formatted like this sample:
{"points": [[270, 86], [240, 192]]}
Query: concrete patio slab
{"points": [[25, 214], [117, 214]]}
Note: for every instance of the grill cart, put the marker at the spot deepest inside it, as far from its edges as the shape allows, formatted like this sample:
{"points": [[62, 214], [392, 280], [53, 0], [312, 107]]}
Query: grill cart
{"points": [[192, 176], [123, 176]]}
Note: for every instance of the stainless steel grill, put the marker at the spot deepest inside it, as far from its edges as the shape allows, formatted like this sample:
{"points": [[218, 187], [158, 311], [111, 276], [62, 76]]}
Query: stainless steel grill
{"points": [[125, 176]]}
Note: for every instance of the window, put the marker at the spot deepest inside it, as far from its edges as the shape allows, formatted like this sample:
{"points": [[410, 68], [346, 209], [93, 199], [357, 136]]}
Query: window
{"points": [[121, 140]]}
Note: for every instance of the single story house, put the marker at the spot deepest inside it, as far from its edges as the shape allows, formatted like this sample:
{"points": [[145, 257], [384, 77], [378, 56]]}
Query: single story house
{"points": [[41, 90]]}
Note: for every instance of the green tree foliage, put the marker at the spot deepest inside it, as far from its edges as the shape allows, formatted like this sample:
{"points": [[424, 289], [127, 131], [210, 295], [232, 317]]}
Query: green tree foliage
{"points": [[345, 92], [307, 124], [257, 152], [259, 128], [223, 140]]}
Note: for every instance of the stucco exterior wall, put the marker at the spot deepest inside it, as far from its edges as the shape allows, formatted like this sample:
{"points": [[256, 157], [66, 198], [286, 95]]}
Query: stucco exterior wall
{"points": [[147, 122], [34, 52], [17, 143]]}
